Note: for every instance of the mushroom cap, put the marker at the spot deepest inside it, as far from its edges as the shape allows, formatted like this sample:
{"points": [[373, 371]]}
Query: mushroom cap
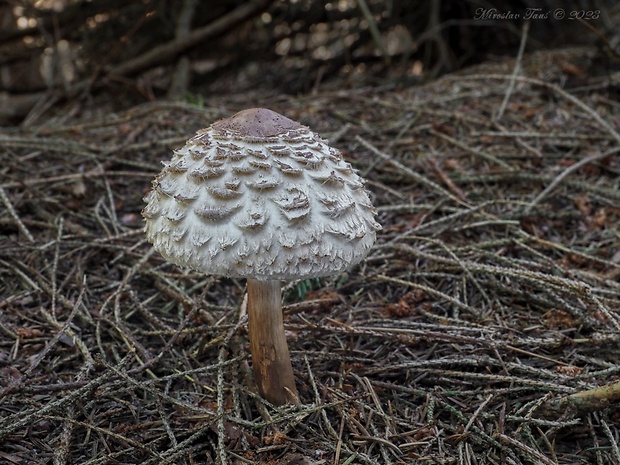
{"points": [[259, 195]]}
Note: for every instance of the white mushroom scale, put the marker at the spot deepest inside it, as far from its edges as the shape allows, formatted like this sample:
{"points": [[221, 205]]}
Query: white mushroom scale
{"points": [[260, 196]]}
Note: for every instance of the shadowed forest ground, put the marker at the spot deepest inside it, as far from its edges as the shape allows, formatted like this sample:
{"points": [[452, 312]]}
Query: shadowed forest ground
{"points": [[483, 328]]}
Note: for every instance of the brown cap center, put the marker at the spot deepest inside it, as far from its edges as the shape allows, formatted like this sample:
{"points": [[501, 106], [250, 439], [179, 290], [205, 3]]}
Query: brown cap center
{"points": [[256, 122]]}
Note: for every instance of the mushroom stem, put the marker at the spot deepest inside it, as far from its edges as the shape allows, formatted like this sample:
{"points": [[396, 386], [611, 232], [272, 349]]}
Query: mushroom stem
{"points": [[271, 360]]}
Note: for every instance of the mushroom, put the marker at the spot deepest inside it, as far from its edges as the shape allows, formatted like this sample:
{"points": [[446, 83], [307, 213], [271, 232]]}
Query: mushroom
{"points": [[260, 196]]}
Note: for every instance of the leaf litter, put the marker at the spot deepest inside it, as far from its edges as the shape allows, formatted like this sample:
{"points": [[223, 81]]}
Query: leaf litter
{"points": [[483, 327]]}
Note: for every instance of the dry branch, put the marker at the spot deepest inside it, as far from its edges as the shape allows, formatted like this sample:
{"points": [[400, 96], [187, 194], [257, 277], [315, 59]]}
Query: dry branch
{"points": [[166, 52], [583, 402]]}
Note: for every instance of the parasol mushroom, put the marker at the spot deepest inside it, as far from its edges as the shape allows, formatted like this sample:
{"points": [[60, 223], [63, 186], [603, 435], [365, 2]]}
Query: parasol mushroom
{"points": [[260, 196]]}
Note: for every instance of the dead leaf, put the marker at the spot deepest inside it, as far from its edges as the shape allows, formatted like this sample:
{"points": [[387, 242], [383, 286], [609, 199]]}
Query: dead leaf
{"points": [[78, 189], [398, 310], [406, 304], [600, 219], [453, 164], [275, 439], [443, 128], [11, 373], [559, 319], [583, 204], [28, 333], [569, 370], [572, 69]]}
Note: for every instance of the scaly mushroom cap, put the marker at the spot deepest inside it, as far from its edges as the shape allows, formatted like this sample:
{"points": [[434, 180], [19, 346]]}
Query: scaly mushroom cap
{"points": [[259, 195]]}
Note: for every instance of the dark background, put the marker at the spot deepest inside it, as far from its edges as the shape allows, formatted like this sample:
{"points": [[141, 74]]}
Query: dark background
{"points": [[53, 52]]}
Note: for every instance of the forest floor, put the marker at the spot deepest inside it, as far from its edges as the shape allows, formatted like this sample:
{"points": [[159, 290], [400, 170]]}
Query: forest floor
{"points": [[483, 328]]}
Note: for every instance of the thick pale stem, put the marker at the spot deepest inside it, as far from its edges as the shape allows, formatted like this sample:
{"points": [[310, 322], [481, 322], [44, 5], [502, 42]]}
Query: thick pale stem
{"points": [[271, 360]]}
